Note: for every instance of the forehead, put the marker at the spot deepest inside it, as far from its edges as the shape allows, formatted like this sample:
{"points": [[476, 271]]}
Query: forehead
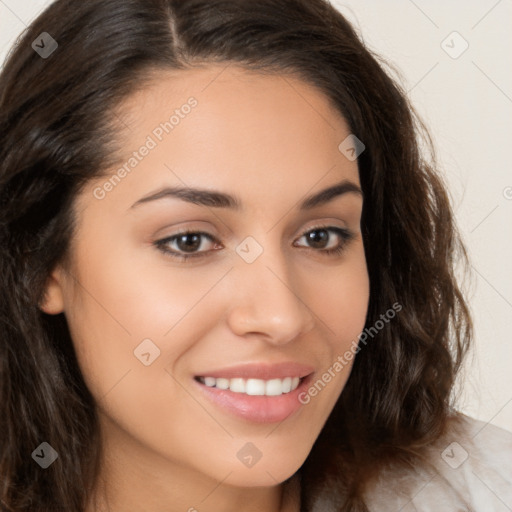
{"points": [[235, 102], [227, 86], [226, 126]]}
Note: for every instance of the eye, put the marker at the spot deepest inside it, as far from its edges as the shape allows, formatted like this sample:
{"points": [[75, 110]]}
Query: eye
{"points": [[319, 237], [187, 243]]}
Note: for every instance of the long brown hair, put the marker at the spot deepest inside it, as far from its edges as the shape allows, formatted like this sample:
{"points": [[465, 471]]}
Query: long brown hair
{"points": [[58, 131]]}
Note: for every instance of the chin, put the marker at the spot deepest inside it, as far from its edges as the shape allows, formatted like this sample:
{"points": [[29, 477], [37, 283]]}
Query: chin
{"points": [[263, 475]]}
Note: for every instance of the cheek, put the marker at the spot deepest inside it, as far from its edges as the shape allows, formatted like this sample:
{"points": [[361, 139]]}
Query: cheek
{"points": [[122, 306], [341, 302], [341, 298], [126, 307]]}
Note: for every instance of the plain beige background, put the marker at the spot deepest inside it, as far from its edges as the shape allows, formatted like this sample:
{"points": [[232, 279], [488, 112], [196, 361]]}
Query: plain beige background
{"points": [[454, 59]]}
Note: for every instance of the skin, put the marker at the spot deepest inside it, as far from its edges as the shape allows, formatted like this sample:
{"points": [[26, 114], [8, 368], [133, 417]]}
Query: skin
{"points": [[271, 140]]}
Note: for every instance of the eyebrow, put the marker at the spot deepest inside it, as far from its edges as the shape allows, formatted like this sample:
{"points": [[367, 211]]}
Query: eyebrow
{"points": [[217, 199]]}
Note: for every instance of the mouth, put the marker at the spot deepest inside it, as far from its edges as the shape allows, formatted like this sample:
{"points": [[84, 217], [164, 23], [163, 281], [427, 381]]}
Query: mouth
{"points": [[255, 400], [253, 387]]}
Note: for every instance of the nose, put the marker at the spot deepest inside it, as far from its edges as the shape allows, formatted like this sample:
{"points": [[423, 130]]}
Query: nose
{"points": [[267, 302]]}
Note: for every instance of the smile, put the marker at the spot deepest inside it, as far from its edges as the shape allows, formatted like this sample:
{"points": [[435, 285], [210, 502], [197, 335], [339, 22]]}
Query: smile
{"points": [[272, 387]]}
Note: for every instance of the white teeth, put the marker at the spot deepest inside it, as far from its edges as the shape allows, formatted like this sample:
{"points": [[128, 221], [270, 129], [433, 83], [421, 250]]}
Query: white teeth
{"points": [[272, 387], [222, 383], [237, 385], [209, 381], [287, 384], [254, 387]]}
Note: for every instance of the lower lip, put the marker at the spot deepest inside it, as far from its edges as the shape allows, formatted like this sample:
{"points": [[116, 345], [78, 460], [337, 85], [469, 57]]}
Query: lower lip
{"points": [[257, 408]]}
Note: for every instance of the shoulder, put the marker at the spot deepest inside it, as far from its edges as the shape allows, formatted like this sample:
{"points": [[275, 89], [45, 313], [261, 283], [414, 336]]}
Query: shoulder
{"points": [[468, 469]]}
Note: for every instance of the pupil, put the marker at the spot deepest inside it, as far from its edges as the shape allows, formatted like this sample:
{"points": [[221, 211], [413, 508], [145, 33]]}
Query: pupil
{"points": [[189, 246], [315, 239]]}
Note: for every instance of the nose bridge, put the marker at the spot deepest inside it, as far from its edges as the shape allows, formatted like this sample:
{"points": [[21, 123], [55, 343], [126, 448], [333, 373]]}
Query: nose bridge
{"points": [[267, 299]]}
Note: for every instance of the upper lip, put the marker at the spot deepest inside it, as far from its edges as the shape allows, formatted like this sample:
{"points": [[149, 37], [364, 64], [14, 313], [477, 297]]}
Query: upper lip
{"points": [[263, 371]]}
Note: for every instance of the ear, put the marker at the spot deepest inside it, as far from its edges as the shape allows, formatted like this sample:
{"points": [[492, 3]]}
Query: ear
{"points": [[52, 302]]}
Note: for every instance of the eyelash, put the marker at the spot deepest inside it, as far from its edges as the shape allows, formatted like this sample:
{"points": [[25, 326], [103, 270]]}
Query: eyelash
{"points": [[344, 234]]}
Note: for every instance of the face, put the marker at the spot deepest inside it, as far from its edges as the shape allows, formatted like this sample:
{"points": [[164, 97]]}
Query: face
{"points": [[273, 292]]}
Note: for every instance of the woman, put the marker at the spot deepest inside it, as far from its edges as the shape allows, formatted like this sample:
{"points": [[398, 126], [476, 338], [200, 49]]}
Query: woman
{"points": [[228, 271]]}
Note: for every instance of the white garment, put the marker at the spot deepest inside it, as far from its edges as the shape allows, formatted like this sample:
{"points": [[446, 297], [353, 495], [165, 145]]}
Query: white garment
{"points": [[468, 469], [465, 471]]}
